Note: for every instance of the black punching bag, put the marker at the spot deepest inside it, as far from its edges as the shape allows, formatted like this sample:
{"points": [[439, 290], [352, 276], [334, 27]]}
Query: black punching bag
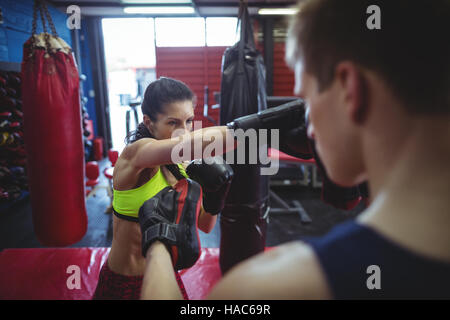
{"points": [[243, 92]]}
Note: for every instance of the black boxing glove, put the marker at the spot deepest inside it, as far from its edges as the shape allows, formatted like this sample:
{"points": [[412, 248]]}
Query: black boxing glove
{"points": [[289, 119], [215, 179], [295, 142]]}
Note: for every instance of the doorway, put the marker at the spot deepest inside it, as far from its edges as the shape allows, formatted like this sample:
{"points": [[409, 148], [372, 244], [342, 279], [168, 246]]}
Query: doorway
{"points": [[130, 66]]}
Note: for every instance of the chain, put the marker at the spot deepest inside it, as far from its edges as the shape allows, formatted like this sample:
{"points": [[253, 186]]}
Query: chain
{"points": [[35, 9], [41, 6], [46, 34], [44, 27], [49, 18]]}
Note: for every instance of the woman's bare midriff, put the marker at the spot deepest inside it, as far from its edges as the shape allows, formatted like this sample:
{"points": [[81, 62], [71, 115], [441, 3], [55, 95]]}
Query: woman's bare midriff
{"points": [[125, 256]]}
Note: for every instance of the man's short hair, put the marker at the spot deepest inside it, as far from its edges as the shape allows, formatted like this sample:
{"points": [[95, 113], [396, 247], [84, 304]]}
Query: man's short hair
{"points": [[410, 52]]}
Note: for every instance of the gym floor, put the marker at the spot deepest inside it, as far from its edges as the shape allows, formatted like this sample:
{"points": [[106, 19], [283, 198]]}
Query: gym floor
{"points": [[16, 226]]}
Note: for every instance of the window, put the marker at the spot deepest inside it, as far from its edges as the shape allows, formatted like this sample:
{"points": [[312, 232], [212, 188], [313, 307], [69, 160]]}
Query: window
{"points": [[221, 31], [195, 32], [180, 32], [129, 42]]}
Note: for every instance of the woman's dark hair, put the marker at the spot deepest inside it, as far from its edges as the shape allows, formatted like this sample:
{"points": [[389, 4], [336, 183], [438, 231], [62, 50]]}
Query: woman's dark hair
{"points": [[158, 94]]}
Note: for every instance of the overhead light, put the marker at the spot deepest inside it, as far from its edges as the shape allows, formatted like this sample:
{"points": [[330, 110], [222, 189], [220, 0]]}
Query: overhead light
{"points": [[161, 2], [159, 10], [277, 11]]}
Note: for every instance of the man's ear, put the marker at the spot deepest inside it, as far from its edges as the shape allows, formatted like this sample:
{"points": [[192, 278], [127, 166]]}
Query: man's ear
{"points": [[353, 82]]}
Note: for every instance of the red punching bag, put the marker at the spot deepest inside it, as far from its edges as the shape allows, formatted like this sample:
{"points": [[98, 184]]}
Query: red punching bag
{"points": [[53, 136]]}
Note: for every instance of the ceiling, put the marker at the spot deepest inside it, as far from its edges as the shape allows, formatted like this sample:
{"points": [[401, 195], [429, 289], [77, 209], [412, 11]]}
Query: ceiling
{"points": [[202, 7]]}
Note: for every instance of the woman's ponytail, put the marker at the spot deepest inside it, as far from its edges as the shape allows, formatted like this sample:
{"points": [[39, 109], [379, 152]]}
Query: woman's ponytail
{"points": [[140, 132]]}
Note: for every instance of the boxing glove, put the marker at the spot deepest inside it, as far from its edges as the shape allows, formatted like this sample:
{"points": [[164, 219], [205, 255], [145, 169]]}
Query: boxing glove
{"points": [[215, 180], [295, 142], [289, 119], [289, 115]]}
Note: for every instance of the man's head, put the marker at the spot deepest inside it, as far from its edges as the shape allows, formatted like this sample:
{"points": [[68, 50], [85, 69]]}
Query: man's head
{"points": [[349, 74]]}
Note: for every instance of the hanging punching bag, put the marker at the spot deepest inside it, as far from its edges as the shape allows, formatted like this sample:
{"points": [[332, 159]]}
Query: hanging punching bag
{"points": [[243, 92], [53, 136]]}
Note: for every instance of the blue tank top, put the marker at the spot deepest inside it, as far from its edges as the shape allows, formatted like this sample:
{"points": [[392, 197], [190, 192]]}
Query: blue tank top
{"points": [[348, 251]]}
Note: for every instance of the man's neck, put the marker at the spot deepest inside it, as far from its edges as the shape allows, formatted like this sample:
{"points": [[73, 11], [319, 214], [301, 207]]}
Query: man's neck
{"points": [[411, 189], [421, 150]]}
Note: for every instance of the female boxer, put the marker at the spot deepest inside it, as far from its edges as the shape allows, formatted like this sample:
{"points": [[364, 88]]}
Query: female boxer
{"points": [[143, 169]]}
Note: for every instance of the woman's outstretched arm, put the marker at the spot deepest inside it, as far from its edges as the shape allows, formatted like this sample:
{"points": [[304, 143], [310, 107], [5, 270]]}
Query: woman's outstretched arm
{"points": [[149, 153]]}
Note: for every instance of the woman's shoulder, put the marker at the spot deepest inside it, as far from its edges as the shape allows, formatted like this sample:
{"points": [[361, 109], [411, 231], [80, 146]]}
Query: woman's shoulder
{"points": [[126, 174], [130, 150]]}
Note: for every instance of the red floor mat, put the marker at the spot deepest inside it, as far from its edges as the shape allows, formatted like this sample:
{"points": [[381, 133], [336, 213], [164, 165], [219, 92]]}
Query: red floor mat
{"points": [[49, 273]]}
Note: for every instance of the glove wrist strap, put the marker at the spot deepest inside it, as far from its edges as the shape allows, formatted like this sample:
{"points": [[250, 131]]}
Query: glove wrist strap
{"points": [[164, 232]]}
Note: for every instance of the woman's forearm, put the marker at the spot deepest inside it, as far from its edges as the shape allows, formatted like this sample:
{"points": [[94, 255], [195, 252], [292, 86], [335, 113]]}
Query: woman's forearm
{"points": [[203, 143], [197, 144], [206, 221]]}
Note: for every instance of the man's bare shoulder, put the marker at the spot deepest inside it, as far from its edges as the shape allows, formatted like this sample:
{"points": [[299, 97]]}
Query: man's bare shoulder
{"points": [[289, 271]]}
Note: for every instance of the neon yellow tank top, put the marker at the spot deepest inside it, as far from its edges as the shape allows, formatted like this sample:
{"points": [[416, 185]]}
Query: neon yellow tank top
{"points": [[128, 202]]}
